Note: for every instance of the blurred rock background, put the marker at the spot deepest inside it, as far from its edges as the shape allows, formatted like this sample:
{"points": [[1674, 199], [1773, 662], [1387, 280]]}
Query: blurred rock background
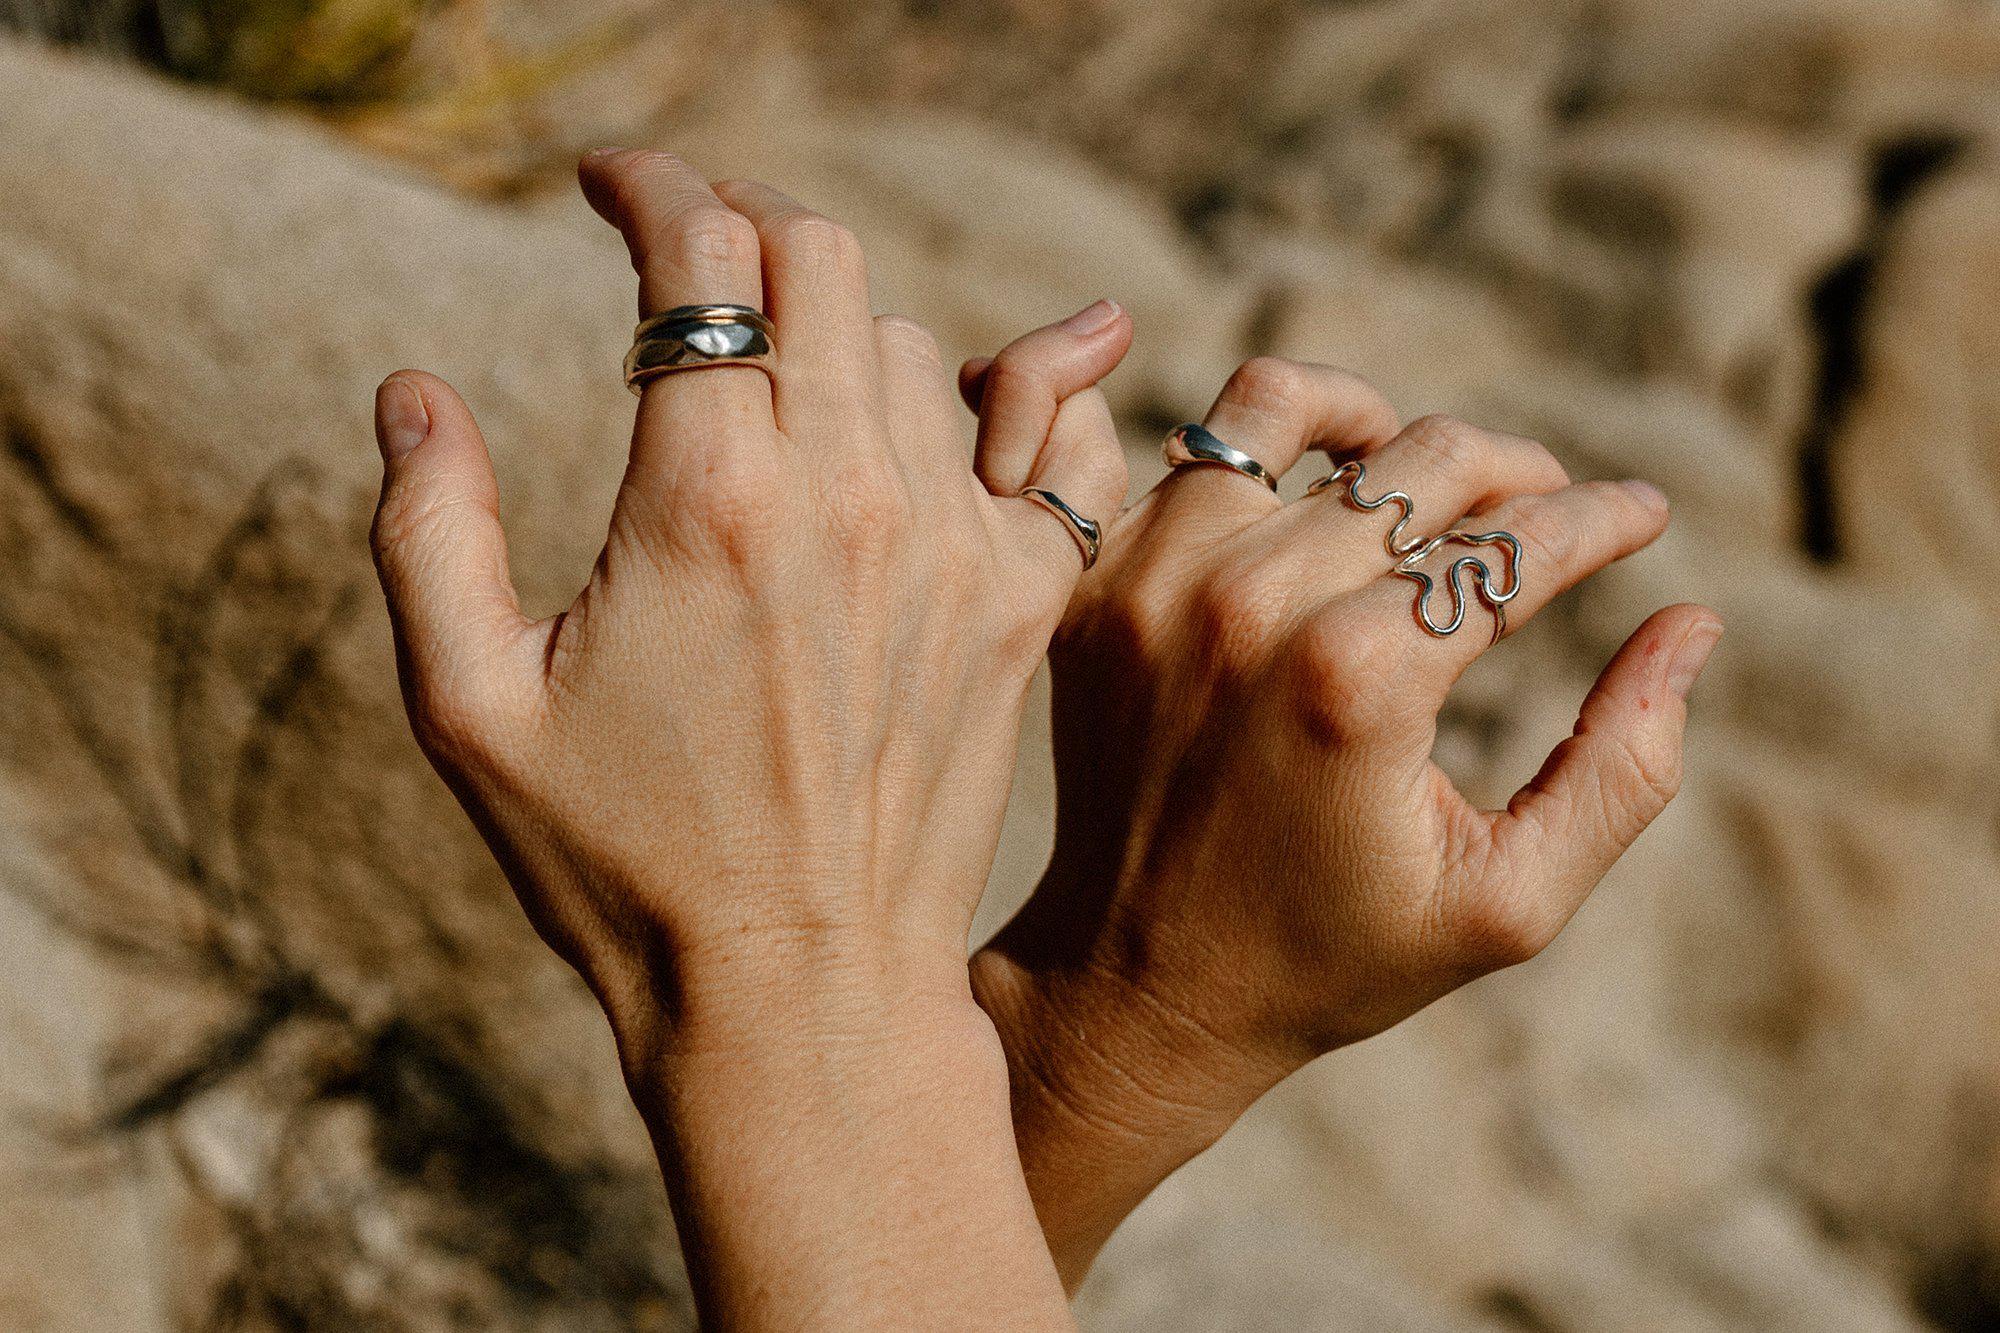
{"points": [[276, 1050]]}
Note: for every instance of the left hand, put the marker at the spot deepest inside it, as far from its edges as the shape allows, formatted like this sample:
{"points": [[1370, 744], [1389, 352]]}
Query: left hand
{"points": [[1256, 859]]}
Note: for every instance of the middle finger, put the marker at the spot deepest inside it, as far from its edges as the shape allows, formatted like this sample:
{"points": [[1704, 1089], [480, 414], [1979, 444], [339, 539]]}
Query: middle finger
{"points": [[829, 381]]}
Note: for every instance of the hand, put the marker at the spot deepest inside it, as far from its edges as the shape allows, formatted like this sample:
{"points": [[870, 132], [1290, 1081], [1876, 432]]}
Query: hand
{"points": [[1256, 860], [750, 782]]}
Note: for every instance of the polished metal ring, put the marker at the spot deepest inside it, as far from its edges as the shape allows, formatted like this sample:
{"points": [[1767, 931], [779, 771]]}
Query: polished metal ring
{"points": [[1409, 553], [1196, 444], [695, 337], [1089, 537]]}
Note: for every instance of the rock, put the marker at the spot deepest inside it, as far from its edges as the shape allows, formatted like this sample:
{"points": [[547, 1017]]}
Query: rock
{"points": [[1917, 460], [270, 968]]}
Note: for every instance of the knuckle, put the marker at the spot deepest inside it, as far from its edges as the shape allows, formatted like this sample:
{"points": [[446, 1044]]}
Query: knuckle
{"points": [[1126, 630], [1235, 614], [737, 500], [803, 235], [868, 507], [1653, 776], [1028, 624], [959, 556], [1339, 665], [909, 338], [1267, 384], [461, 720], [1454, 443], [708, 236], [1103, 472], [1015, 377], [401, 519], [1551, 545], [1545, 462]]}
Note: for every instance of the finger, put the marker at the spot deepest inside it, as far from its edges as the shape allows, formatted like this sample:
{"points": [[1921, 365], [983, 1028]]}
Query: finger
{"points": [[1084, 465], [923, 421], [1020, 391], [1274, 410], [1443, 467], [816, 293], [689, 248], [1600, 788], [972, 381], [1564, 538], [460, 636]]}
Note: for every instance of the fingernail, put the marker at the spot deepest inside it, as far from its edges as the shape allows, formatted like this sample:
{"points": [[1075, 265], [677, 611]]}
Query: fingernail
{"points": [[606, 151], [1649, 495], [1091, 318], [1692, 656], [400, 420]]}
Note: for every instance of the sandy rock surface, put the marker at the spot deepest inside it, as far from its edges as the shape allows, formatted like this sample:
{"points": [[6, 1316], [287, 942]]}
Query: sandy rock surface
{"points": [[279, 1048]]}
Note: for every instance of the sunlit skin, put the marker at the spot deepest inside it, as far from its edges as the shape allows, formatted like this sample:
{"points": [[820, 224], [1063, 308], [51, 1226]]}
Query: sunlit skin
{"points": [[1256, 860], [750, 782]]}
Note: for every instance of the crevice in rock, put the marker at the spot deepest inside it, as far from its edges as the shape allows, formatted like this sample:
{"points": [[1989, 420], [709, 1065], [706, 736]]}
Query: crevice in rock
{"points": [[1838, 306]]}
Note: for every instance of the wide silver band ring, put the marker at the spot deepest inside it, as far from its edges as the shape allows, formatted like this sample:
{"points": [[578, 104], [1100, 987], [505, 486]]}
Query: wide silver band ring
{"points": [[1089, 537], [695, 337], [1191, 443]]}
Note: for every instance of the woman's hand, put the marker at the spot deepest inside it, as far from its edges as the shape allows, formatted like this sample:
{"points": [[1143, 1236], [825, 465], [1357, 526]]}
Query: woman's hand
{"points": [[750, 783], [1256, 860]]}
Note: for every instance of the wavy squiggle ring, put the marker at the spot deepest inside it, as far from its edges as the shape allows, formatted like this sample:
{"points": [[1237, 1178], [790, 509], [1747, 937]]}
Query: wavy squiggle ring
{"points": [[1408, 554]]}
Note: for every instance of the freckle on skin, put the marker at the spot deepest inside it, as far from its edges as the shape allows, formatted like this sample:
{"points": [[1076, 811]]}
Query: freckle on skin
{"points": [[1644, 703]]}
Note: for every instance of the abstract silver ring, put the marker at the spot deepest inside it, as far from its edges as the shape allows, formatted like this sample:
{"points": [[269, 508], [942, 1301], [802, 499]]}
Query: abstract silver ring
{"points": [[695, 337], [1408, 554], [1089, 537], [1196, 444]]}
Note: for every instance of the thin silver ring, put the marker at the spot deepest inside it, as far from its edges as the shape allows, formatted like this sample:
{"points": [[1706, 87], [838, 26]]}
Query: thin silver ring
{"points": [[1191, 443], [695, 337], [1410, 553], [1089, 537]]}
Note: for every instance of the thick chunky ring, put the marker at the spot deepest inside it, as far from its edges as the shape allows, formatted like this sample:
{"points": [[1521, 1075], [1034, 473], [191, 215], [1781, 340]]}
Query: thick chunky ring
{"points": [[694, 337], [1196, 444], [1089, 536]]}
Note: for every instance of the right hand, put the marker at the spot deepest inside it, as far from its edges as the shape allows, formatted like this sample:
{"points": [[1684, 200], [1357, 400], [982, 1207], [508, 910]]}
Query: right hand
{"points": [[749, 783], [1256, 859]]}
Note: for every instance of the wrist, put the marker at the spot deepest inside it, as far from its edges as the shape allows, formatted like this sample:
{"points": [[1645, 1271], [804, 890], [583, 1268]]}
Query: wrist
{"points": [[1112, 1089], [763, 992], [837, 1141], [1108, 1056]]}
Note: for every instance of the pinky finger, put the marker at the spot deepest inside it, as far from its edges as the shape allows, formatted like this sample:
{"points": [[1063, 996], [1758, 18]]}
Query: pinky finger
{"points": [[1083, 465], [1599, 789]]}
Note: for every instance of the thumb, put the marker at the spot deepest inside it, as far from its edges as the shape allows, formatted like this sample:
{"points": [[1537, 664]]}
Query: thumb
{"points": [[442, 556]]}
